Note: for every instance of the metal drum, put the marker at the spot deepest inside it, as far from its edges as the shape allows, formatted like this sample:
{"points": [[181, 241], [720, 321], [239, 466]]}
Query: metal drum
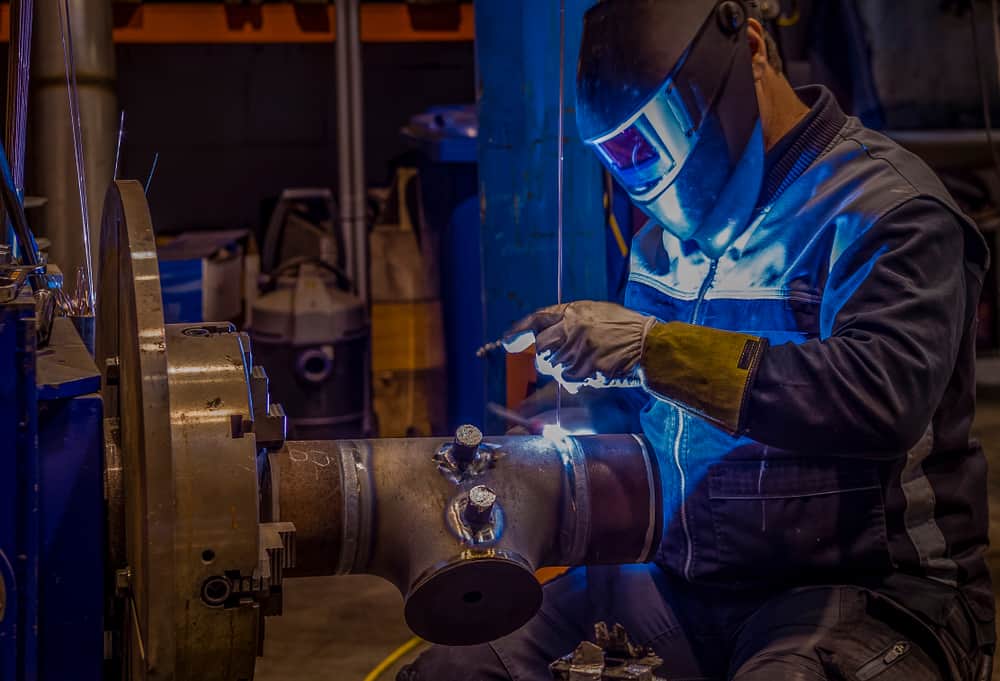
{"points": [[313, 338]]}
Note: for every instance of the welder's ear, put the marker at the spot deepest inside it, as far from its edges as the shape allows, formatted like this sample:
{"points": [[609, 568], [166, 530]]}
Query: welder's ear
{"points": [[758, 48]]}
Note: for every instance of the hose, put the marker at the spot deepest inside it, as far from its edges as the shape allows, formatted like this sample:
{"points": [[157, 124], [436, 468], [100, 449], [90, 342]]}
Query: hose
{"points": [[393, 658]]}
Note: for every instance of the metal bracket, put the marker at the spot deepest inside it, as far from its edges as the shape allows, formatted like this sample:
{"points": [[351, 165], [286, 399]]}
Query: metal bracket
{"points": [[612, 658]]}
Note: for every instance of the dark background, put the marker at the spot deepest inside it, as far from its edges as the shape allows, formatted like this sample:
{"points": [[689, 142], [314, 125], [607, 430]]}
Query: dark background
{"points": [[235, 124]]}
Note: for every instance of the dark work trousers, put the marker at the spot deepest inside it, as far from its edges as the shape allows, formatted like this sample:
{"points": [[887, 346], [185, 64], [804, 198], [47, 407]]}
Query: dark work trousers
{"points": [[842, 633]]}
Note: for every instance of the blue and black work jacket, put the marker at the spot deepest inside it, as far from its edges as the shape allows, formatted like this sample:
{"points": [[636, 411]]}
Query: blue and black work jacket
{"points": [[854, 462]]}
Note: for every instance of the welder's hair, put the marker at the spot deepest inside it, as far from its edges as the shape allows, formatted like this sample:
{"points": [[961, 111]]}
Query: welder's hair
{"points": [[773, 53]]}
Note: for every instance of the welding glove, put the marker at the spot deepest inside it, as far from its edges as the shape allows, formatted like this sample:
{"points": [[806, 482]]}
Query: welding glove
{"points": [[584, 343], [707, 371]]}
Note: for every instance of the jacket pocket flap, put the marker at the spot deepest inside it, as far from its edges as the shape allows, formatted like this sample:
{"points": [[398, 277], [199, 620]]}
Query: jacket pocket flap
{"points": [[782, 479]]}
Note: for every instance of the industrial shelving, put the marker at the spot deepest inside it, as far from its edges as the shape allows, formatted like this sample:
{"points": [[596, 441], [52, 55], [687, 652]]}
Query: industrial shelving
{"points": [[280, 22]]}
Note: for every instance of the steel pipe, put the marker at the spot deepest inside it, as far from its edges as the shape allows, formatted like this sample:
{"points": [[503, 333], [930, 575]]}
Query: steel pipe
{"points": [[461, 540], [350, 143], [358, 197], [351, 182]]}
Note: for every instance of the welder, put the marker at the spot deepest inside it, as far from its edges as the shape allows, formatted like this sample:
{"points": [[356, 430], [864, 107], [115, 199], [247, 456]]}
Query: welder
{"points": [[801, 319]]}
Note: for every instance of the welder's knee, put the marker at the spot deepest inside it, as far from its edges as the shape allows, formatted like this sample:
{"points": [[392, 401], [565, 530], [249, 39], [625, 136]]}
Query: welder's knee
{"points": [[787, 668], [843, 660], [836, 633], [464, 663]]}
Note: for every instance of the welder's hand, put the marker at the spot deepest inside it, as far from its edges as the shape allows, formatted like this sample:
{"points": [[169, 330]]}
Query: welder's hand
{"points": [[584, 343]]}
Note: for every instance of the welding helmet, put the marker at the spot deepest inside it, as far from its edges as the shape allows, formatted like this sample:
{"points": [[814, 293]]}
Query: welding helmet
{"points": [[665, 96]]}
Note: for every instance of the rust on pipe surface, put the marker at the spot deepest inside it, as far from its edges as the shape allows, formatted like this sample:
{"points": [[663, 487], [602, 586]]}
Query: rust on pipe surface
{"points": [[310, 495]]}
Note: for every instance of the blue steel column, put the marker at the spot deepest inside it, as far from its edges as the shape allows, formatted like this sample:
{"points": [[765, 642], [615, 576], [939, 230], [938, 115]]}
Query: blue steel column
{"points": [[517, 53]]}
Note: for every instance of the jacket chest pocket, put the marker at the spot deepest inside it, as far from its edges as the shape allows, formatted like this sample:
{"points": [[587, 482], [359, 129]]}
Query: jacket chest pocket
{"points": [[780, 519]]}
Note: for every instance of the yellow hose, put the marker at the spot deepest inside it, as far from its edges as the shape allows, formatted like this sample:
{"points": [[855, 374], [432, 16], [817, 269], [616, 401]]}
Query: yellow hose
{"points": [[787, 20], [393, 658]]}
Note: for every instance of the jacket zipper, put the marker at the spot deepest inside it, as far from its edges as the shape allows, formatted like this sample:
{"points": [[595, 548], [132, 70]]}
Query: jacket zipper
{"points": [[689, 554]]}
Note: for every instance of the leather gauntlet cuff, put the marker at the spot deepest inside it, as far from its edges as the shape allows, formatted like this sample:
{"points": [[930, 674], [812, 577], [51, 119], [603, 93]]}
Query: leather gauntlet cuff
{"points": [[705, 370]]}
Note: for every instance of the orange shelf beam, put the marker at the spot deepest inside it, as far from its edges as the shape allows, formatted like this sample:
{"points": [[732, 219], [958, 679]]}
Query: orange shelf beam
{"points": [[179, 23], [192, 23]]}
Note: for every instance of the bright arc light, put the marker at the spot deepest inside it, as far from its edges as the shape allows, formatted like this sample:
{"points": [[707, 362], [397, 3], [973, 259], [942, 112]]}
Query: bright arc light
{"points": [[556, 433]]}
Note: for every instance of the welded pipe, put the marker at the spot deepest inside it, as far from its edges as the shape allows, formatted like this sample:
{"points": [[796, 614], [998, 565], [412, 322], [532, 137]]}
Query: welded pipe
{"points": [[462, 545], [52, 172]]}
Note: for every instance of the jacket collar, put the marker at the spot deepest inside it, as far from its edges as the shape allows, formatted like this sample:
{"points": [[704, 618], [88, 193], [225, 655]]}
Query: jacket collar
{"points": [[803, 144]]}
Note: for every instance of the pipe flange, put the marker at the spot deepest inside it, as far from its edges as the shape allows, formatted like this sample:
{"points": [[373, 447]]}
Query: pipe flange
{"points": [[474, 597]]}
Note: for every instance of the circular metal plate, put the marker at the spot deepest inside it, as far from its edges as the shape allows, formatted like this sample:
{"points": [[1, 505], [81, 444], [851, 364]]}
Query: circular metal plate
{"points": [[130, 328], [473, 600], [188, 468]]}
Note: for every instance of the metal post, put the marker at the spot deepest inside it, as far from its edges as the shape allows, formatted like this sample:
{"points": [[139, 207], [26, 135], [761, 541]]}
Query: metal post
{"points": [[344, 167], [351, 161], [358, 188]]}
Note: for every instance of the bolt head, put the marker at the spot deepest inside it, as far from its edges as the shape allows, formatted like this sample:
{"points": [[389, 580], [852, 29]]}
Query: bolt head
{"points": [[479, 511], [468, 436], [482, 497], [466, 445]]}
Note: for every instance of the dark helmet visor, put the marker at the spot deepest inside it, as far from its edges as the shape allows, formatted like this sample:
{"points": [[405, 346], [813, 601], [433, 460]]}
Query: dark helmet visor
{"points": [[637, 157]]}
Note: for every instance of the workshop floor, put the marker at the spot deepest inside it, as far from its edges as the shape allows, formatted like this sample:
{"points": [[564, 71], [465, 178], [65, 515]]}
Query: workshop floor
{"points": [[339, 629], [333, 629]]}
